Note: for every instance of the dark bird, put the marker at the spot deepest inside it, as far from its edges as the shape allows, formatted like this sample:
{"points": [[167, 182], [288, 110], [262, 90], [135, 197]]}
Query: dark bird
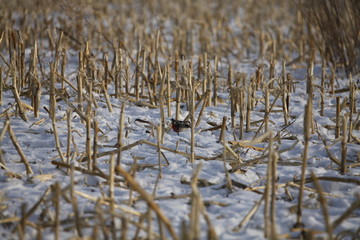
{"points": [[179, 126]]}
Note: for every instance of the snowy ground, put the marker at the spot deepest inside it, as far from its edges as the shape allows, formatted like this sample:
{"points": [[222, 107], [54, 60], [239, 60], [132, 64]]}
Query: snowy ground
{"points": [[226, 209], [20, 192]]}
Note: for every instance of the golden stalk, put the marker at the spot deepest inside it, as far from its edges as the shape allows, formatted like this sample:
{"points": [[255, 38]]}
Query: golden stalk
{"points": [[105, 81], [124, 228], [267, 192], [149, 200], [56, 201], [120, 134], [19, 104], [272, 68], [233, 99], [266, 112], [215, 83], [227, 176], [161, 104], [307, 123], [22, 222], [74, 202], [150, 223], [37, 95], [127, 75], [322, 88], [248, 109], [223, 130], [274, 160], [63, 67], [1, 87], [168, 87], [209, 83], [4, 130], [21, 60], [159, 134], [207, 94], [337, 127], [137, 83], [18, 149], [194, 231], [332, 79], [344, 145], [285, 93], [354, 206], [53, 112], [102, 201], [111, 194], [38, 203], [57, 51], [248, 216], [352, 106], [143, 69], [68, 116], [95, 143], [139, 142], [241, 114], [80, 78], [323, 204], [192, 90], [118, 72], [88, 128], [107, 99]]}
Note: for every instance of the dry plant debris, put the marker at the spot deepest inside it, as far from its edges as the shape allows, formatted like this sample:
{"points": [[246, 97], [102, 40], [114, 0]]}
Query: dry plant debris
{"points": [[269, 89]]}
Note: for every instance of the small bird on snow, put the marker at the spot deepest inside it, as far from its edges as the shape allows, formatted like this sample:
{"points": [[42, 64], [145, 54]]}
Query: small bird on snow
{"points": [[180, 126]]}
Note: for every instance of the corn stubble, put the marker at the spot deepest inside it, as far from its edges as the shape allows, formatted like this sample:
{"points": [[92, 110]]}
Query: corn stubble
{"points": [[150, 69]]}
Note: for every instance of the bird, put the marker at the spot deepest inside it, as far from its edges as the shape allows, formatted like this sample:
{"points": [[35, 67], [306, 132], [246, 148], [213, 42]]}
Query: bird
{"points": [[180, 126]]}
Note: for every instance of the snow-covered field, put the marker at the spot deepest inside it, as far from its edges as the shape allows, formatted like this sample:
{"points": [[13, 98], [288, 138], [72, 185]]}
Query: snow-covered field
{"points": [[173, 192]]}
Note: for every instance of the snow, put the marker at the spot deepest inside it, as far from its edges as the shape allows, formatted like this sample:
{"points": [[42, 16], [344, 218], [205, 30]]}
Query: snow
{"points": [[39, 147], [226, 209]]}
